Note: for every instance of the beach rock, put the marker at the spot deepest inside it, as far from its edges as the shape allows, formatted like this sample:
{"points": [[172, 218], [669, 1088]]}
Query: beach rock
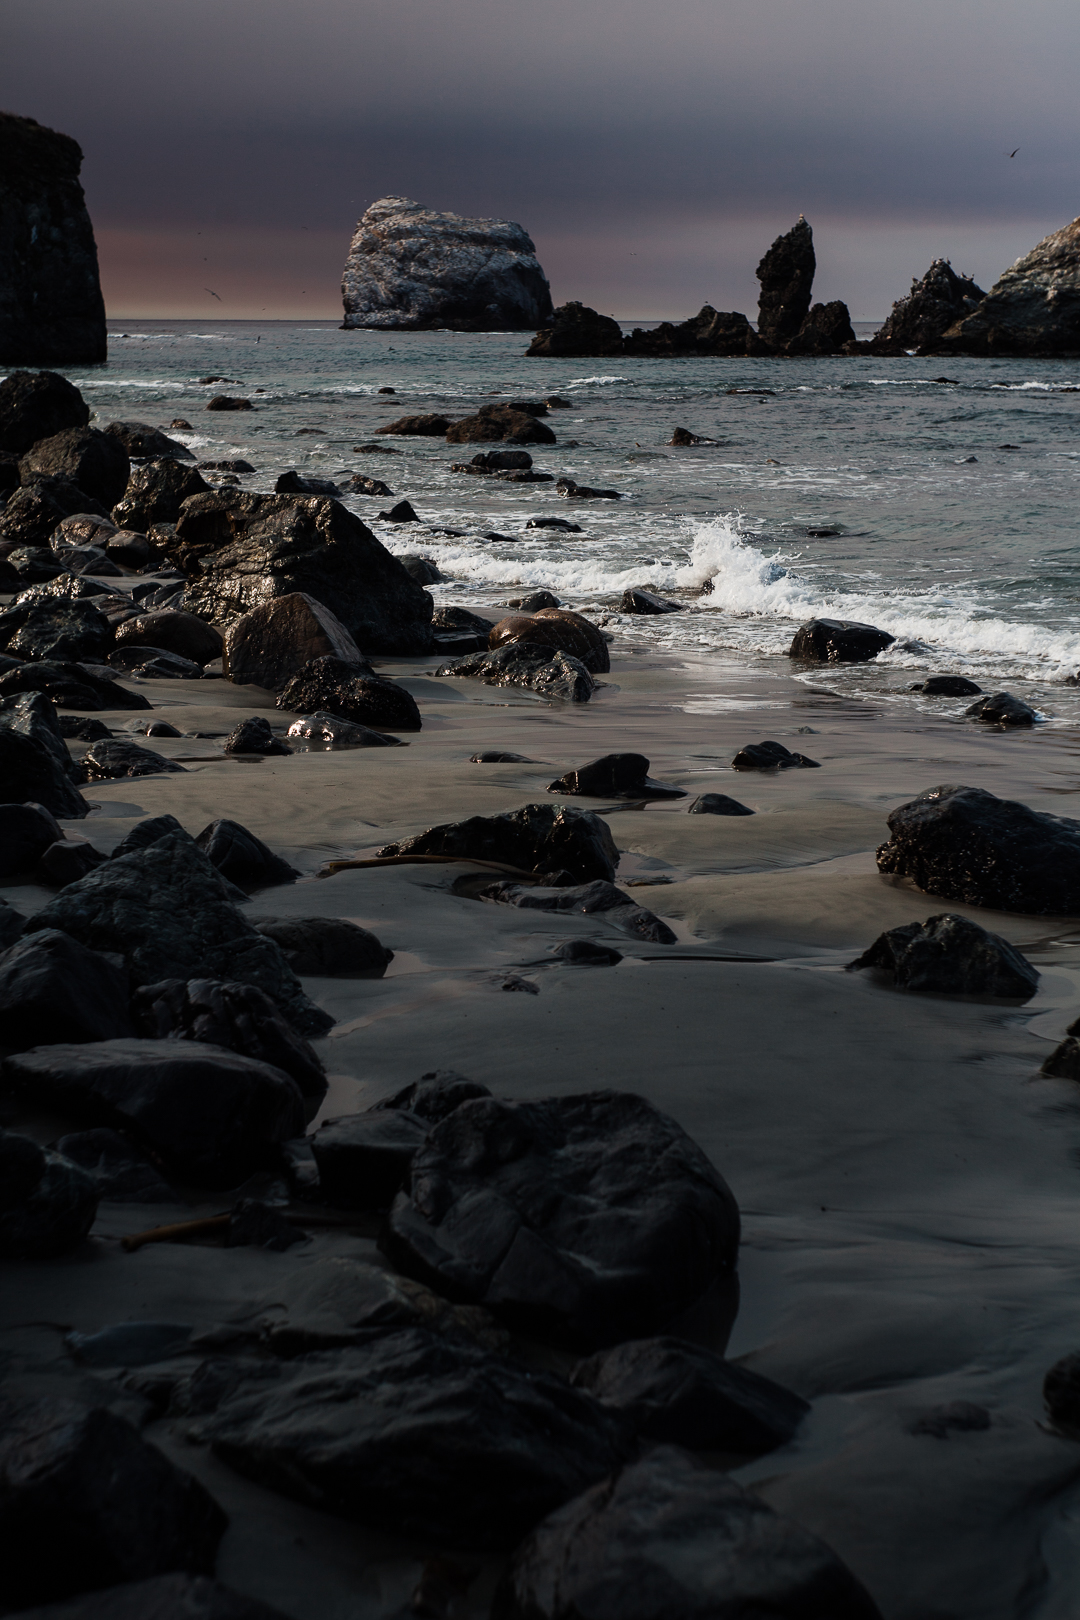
{"points": [[242, 858], [53, 313], [952, 956], [30, 714], [412, 269], [498, 756], [683, 437], [669, 1539], [230, 464], [563, 525], [162, 907], [558, 629], [575, 331], [33, 565], [1064, 1061], [948, 686], [359, 485], [35, 509], [500, 422], [492, 461], [838, 641], [211, 1114], [164, 1597], [71, 685], [81, 726], [154, 663], [31, 769], [571, 490], [429, 426], [420, 569], [290, 483], [618, 776], [155, 492], [1002, 709], [54, 989], [920, 320], [238, 1017], [141, 442], [36, 404], [129, 549], [12, 923], [582, 1220], [334, 732], [618, 909], [434, 1096], [108, 761], [1061, 1393], [94, 461], [326, 945], [26, 831], [770, 756], [587, 953], [717, 804], [786, 274], [403, 512], [533, 602], [62, 631], [47, 1207], [241, 550], [457, 618], [963, 843], [684, 1394], [638, 600], [67, 861], [364, 1159], [536, 838], [339, 688], [255, 737], [419, 1435], [172, 630], [119, 1172], [228, 402], [87, 1502], [1033, 309], [274, 641]]}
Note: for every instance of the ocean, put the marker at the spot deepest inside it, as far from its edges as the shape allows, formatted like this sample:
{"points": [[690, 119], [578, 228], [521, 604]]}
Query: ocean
{"points": [[952, 486]]}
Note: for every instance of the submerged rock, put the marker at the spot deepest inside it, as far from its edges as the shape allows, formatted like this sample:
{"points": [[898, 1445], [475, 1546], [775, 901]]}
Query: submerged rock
{"points": [[619, 776], [326, 945], [924, 315], [500, 422], [717, 804], [426, 426], [963, 843], [272, 643], [838, 641], [552, 675], [770, 756], [639, 600], [1002, 709], [538, 837], [47, 1207], [953, 956], [412, 269], [290, 483], [948, 686], [1033, 309], [576, 330], [331, 685]]}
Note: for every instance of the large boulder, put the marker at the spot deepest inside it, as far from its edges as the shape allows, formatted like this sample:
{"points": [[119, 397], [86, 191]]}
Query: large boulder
{"points": [[275, 640], [559, 629], [668, 1539], [240, 551], [1002, 709], [38, 507], [145, 443], [1033, 309], [72, 686], [581, 1220], [921, 318], [54, 989], [36, 404], [163, 1597], [155, 493], [419, 1435], [326, 945], [94, 461], [620, 776], [30, 714], [413, 269], [214, 1115], [429, 425], [162, 907], [241, 857], [51, 308], [500, 422], [26, 831], [963, 843], [554, 675], [56, 631], [85, 1502], [35, 766], [838, 641], [575, 331], [47, 1206], [786, 274], [364, 1159], [172, 630], [536, 838], [330, 685], [108, 761], [826, 330], [953, 956]]}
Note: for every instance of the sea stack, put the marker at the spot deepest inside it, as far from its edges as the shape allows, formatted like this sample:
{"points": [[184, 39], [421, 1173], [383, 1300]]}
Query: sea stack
{"points": [[934, 304], [411, 269], [786, 274], [51, 309], [1033, 309]]}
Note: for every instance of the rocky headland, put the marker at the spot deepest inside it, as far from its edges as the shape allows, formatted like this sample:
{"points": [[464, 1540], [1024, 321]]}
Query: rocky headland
{"points": [[1033, 309]]}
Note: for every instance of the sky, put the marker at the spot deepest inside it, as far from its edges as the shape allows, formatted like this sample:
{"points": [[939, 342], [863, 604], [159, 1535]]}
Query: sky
{"points": [[652, 148]]}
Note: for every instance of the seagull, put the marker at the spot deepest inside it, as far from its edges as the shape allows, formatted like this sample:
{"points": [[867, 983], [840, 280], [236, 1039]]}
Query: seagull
{"points": [[213, 294], [1014, 152]]}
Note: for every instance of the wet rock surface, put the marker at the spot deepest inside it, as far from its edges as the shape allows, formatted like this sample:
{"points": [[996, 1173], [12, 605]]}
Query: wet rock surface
{"points": [[620, 776], [717, 804], [108, 761], [639, 600], [838, 641], [618, 909], [558, 629], [54, 989], [557, 675], [119, 1172], [538, 837], [47, 1206], [241, 857], [272, 643], [63, 631], [255, 737], [953, 956], [155, 492], [145, 443], [333, 731], [770, 756], [174, 631], [326, 945], [72, 685], [34, 510], [948, 686], [335, 687], [585, 1219], [1002, 709], [364, 1159]]}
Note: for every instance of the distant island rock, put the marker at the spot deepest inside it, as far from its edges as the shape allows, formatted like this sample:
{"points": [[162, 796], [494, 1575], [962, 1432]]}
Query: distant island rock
{"points": [[934, 304], [1032, 310], [411, 269], [51, 309]]}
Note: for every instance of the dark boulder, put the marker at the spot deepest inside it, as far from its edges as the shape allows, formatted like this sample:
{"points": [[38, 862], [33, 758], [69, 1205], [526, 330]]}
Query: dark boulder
{"points": [[684, 1394], [242, 858], [54, 989], [129, 549], [359, 485], [618, 776], [108, 761], [717, 804], [500, 422], [336, 687], [558, 629], [81, 727], [403, 512], [155, 493], [255, 737], [240, 550], [953, 956], [26, 831], [786, 274], [770, 756], [71, 685], [948, 686], [164, 1597], [12, 923], [326, 945], [154, 664], [552, 675], [533, 602], [576, 330], [36, 404], [33, 770], [30, 714], [163, 908], [331, 731], [145, 443], [419, 1435], [579, 1220], [88, 1502], [639, 600], [563, 525], [618, 910], [963, 843], [431, 426], [47, 1207], [1061, 1393], [83, 529], [94, 461], [228, 402], [458, 618], [1002, 709], [35, 565], [290, 483], [272, 643], [174, 631], [420, 569], [571, 490], [239, 1018], [838, 641], [229, 464], [364, 1159], [36, 509], [213, 1115], [434, 1096], [119, 1172], [669, 1539], [921, 319], [587, 953], [826, 329], [64, 631], [503, 460], [1064, 1061], [710, 331], [537, 838], [66, 861]]}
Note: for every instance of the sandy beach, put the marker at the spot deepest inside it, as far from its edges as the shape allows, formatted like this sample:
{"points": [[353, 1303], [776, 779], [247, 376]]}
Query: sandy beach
{"points": [[907, 1181]]}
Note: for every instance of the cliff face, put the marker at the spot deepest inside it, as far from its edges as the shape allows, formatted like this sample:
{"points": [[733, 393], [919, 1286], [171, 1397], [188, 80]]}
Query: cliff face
{"points": [[1033, 309], [411, 269], [51, 309]]}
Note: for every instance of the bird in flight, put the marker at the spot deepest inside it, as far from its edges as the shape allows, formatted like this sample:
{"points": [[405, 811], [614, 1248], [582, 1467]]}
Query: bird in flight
{"points": [[213, 294], [1014, 151]]}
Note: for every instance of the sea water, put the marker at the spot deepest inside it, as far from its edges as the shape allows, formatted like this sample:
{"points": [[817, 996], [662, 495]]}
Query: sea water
{"points": [[951, 487]]}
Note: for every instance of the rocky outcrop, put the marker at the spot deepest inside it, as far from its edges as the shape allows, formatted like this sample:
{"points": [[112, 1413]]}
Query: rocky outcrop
{"points": [[786, 274], [838, 641], [413, 269], [51, 309], [272, 643], [576, 330], [934, 304], [95, 462], [951, 956], [557, 629], [710, 331], [826, 329], [36, 404], [1033, 309], [552, 674], [541, 838], [500, 422]]}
